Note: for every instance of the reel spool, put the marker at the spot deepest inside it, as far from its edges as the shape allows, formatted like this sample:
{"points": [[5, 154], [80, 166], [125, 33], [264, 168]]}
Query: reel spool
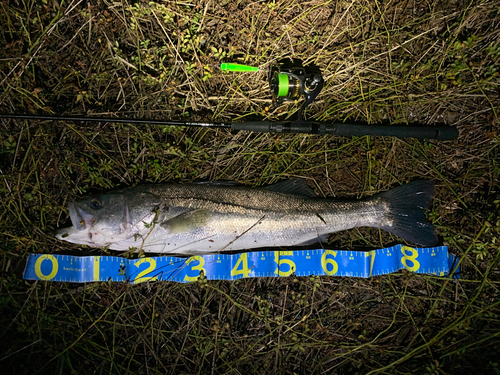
{"points": [[289, 81]]}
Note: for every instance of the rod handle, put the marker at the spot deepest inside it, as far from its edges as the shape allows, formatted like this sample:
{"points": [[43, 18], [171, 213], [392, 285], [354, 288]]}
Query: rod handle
{"points": [[312, 127], [401, 131]]}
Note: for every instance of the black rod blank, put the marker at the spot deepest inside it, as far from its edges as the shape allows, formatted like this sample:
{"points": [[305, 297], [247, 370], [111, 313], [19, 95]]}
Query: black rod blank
{"points": [[120, 120]]}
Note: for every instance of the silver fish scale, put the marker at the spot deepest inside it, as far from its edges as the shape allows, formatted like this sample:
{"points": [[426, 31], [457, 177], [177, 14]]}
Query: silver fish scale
{"points": [[246, 218]]}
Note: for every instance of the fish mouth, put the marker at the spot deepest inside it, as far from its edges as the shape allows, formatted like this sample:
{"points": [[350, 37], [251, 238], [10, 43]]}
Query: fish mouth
{"points": [[82, 223]]}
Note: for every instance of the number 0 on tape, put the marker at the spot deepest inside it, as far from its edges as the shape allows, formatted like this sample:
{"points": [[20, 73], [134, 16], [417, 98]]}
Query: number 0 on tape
{"points": [[434, 260]]}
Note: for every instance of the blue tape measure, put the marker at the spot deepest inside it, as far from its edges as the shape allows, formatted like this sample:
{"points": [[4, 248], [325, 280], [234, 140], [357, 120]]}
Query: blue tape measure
{"points": [[434, 260]]}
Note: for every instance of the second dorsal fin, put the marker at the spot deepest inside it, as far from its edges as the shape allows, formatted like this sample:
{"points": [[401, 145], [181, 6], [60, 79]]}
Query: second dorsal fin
{"points": [[295, 186]]}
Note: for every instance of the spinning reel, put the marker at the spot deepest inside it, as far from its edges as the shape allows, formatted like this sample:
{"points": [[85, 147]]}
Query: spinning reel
{"points": [[290, 81]]}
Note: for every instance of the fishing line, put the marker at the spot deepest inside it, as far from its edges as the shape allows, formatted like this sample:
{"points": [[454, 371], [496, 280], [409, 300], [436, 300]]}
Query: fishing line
{"points": [[320, 262], [289, 81]]}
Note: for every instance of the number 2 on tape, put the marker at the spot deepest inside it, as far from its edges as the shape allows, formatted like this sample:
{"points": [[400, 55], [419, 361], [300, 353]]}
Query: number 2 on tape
{"points": [[141, 277]]}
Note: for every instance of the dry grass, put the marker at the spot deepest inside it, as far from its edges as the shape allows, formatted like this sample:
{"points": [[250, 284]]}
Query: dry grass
{"points": [[404, 61]]}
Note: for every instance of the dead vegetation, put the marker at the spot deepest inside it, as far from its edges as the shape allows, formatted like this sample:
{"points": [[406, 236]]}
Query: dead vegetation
{"points": [[401, 62]]}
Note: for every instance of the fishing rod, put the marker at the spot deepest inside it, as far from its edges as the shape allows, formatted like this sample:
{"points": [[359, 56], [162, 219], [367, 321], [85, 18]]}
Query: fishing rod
{"points": [[288, 81], [307, 127]]}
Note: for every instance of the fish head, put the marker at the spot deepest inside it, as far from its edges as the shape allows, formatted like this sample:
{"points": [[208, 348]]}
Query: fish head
{"points": [[102, 220]]}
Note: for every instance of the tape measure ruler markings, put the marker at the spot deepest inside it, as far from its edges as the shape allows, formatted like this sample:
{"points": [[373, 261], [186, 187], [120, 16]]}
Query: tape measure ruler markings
{"points": [[435, 260]]}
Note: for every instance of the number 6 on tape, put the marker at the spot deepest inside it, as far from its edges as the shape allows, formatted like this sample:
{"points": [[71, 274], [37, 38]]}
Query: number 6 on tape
{"points": [[326, 261]]}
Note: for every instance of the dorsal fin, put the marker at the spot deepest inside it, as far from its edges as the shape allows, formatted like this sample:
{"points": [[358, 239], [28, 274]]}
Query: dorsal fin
{"points": [[295, 186], [218, 183]]}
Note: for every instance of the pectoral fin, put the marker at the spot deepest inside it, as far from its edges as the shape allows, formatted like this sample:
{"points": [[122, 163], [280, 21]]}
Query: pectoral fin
{"points": [[187, 221]]}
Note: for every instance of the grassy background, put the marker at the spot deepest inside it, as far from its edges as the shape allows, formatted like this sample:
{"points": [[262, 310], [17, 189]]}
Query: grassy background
{"points": [[403, 61]]}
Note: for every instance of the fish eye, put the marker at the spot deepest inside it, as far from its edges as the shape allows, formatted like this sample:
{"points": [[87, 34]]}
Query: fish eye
{"points": [[96, 203]]}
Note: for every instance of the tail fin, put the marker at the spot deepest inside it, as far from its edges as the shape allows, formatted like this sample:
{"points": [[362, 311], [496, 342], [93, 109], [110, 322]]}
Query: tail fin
{"points": [[407, 212]]}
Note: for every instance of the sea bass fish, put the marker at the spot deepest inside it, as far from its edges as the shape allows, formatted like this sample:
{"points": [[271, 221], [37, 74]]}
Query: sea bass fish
{"points": [[208, 218]]}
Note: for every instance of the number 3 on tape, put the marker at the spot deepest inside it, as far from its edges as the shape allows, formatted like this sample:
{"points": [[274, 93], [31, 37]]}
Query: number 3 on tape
{"points": [[197, 267]]}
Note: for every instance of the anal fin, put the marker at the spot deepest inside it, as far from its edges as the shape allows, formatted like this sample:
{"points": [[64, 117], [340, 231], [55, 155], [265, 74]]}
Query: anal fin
{"points": [[322, 239]]}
